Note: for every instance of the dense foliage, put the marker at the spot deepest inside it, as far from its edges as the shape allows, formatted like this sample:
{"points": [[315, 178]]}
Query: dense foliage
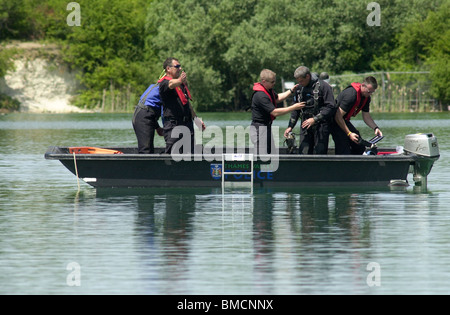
{"points": [[223, 44], [424, 44]]}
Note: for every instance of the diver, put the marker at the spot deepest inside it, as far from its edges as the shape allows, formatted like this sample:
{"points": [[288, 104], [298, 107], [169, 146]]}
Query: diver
{"points": [[316, 116]]}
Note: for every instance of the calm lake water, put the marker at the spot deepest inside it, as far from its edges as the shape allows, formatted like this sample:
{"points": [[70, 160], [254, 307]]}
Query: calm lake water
{"points": [[55, 239]]}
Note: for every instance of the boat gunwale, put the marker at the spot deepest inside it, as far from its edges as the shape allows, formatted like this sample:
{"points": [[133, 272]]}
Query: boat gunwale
{"points": [[217, 157]]}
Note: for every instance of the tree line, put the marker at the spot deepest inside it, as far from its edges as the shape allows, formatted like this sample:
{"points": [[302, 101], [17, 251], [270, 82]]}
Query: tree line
{"points": [[223, 44]]}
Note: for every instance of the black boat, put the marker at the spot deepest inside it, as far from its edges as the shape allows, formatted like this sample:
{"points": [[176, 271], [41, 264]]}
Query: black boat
{"points": [[124, 167]]}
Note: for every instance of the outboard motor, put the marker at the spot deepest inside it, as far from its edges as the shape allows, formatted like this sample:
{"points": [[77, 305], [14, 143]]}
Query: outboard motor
{"points": [[425, 147], [423, 144]]}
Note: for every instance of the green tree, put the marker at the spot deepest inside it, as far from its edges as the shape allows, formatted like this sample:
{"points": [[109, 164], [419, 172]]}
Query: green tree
{"points": [[224, 44], [438, 60], [196, 33], [13, 19], [6, 62], [423, 44], [32, 19], [109, 49]]}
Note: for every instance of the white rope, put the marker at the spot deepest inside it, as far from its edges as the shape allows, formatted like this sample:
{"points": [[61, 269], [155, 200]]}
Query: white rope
{"points": [[76, 170]]}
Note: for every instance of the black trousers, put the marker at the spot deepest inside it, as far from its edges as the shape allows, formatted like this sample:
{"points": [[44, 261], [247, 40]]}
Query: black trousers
{"points": [[145, 122], [315, 139], [261, 137], [172, 137], [343, 144]]}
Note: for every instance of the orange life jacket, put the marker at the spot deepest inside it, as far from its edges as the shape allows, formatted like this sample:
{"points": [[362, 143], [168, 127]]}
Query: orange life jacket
{"points": [[92, 150]]}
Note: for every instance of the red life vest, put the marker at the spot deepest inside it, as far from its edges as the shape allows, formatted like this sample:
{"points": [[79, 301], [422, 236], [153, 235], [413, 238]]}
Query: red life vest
{"points": [[258, 87], [356, 108], [179, 91]]}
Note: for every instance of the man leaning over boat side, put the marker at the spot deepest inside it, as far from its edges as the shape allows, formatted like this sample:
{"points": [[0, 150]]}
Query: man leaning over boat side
{"points": [[351, 101], [177, 108], [264, 111], [145, 119], [316, 116]]}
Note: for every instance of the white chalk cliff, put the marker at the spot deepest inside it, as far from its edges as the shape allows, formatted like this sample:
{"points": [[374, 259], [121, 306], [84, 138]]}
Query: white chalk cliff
{"points": [[39, 83]]}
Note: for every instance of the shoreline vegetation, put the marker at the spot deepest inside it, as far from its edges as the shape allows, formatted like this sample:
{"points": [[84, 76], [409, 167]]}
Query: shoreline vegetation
{"points": [[118, 48]]}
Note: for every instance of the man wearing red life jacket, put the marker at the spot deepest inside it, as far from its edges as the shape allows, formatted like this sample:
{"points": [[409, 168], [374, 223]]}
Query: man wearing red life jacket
{"points": [[264, 111], [351, 101], [177, 109]]}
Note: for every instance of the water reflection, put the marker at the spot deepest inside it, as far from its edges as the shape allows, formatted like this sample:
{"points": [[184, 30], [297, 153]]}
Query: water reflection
{"points": [[290, 242]]}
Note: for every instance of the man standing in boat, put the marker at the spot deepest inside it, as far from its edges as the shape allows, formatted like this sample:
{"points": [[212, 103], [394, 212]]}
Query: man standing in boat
{"points": [[145, 119], [316, 116], [264, 111], [177, 108], [351, 101]]}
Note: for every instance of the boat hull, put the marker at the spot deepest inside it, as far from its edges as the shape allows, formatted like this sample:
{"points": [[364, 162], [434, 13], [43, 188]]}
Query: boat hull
{"points": [[158, 170]]}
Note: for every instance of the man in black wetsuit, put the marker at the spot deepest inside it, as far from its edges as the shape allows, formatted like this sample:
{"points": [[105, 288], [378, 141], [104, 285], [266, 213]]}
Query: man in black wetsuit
{"points": [[351, 101], [316, 116]]}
